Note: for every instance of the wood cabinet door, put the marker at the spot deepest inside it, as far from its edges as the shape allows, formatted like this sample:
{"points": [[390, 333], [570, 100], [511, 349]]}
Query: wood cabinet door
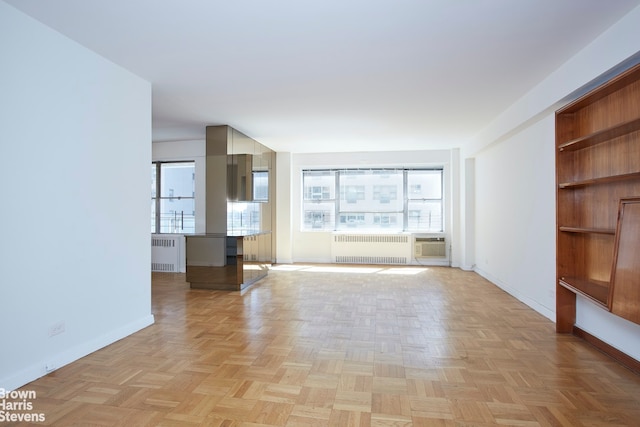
{"points": [[625, 276]]}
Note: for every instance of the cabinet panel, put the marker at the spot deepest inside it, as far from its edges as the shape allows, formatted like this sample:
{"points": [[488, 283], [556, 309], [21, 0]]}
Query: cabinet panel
{"points": [[625, 277]]}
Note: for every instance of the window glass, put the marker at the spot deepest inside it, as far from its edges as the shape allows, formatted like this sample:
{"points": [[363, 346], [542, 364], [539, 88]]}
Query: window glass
{"points": [[370, 199], [319, 204], [424, 184], [373, 199], [261, 186], [154, 168], [243, 217], [425, 215], [424, 200], [174, 210]]}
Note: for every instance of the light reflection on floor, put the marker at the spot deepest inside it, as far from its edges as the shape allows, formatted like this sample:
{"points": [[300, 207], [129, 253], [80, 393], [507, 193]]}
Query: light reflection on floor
{"points": [[331, 268], [404, 271]]}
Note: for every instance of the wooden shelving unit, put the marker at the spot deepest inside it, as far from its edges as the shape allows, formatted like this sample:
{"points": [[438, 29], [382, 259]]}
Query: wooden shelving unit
{"points": [[597, 169], [601, 180], [586, 230], [600, 136], [595, 290]]}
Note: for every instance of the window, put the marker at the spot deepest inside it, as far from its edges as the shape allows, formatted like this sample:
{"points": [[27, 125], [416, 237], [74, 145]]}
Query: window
{"points": [[373, 199], [385, 193], [317, 193], [351, 220], [352, 193], [424, 201], [173, 197], [260, 186], [319, 200]]}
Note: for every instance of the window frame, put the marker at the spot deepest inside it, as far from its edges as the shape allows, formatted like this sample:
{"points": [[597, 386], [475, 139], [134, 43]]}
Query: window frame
{"points": [[410, 196], [157, 200]]}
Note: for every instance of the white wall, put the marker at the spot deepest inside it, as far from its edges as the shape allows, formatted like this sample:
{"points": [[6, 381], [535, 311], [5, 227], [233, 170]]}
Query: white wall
{"points": [[515, 216], [315, 246], [75, 144], [515, 185], [283, 229]]}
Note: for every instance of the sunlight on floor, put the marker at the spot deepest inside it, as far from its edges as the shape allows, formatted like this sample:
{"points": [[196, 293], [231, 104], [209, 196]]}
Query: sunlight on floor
{"points": [[342, 269], [350, 269], [404, 271]]}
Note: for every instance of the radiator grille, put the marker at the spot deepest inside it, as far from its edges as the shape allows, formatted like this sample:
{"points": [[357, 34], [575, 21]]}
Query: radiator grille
{"points": [[369, 238], [167, 253], [157, 266], [370, 260], [162, 242], [371, 248]]}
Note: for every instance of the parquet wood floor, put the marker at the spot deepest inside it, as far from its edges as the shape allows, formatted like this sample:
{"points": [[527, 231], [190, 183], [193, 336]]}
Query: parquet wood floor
{"points": [[342, 346]]}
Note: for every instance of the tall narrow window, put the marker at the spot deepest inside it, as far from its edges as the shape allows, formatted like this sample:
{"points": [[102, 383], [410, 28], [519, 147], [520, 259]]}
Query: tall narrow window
{"points": [[424, 201], [154, 195], [260, 186], [173, 197]]}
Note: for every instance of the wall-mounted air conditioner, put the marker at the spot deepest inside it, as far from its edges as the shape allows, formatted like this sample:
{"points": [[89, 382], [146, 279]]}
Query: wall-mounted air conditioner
{"points": [[430, 247]]}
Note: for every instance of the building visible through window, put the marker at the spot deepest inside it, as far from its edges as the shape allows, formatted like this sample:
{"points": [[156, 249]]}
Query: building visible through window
{"points": [[173, 197], [373, 199]]}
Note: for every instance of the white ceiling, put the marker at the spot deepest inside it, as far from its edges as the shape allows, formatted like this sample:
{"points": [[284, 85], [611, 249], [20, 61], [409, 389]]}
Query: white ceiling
{"points": [[333, 75]]}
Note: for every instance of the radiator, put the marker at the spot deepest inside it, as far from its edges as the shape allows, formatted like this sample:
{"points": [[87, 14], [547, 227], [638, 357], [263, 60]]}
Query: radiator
{"points": [[430, 247], [167, 253], [371, 248]]}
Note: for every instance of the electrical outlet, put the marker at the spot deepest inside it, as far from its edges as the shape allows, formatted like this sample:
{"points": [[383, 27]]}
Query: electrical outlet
{"points": [[56, 329]]}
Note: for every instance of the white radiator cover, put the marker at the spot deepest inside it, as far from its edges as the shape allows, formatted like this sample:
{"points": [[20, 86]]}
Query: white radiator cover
{"points": [[371, 248], [167, 253]]}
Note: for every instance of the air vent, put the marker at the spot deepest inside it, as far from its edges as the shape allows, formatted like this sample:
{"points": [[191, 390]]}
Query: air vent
{"points": [[163, 242], [430, 247], [370, 260], [370, 238], [371, 248], [167, 253], [156, 266]]}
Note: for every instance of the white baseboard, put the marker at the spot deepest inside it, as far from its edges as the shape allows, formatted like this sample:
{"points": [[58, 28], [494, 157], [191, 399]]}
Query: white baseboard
{"points": [[56, 361], [545, 311]]}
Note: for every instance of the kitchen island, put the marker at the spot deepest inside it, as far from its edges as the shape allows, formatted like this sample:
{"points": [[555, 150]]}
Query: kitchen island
{"points": [[227, 261]]}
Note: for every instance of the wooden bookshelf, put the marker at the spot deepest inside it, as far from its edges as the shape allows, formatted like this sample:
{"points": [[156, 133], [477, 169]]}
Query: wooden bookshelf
{"points": [[601, 180], [587, 230], [597, 175], [596, 290], [603, 135]]}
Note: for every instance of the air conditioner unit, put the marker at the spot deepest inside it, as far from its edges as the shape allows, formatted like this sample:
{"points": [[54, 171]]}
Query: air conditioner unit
{"points": [[430, 247]]}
